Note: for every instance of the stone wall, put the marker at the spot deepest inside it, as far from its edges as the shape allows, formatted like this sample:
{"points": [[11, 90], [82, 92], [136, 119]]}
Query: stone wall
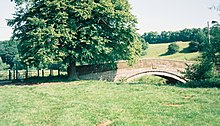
{"points": [[121, 70]]}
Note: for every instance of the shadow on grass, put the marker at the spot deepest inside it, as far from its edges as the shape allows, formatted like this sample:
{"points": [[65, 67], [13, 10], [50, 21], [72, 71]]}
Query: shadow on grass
{"points": [[207, 83], [165, 54], [35, 81], [185, 50]]}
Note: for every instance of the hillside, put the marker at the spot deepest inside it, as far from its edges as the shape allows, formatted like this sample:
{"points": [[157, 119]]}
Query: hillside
{"points": [[159, 51]]}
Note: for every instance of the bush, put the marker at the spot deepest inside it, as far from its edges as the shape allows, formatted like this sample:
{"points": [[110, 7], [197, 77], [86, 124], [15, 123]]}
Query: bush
{"points": [[144, 48], [144, 45], [173, 48], [207, 83], [200, 71], [194, 46]]}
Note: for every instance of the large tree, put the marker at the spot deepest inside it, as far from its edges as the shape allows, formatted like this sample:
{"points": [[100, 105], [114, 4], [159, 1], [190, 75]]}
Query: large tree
{"points": [[91, 31]]}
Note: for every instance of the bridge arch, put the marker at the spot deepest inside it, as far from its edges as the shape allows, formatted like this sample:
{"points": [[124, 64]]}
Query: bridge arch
{"points": [[171, 77]]}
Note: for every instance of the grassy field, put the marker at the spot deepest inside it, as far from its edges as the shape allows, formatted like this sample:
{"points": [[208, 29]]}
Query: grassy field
{"points": [[89, 103], [159, 51]]}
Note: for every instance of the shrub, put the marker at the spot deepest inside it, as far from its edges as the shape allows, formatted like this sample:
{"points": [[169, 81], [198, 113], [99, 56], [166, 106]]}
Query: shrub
{"points": [[206, 83], [173, 48], [144, 48], [194, 46], [200, 71], [144, 45]]}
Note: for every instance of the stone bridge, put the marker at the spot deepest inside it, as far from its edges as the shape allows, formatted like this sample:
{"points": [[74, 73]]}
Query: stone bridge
{"points": [[165, 68]]}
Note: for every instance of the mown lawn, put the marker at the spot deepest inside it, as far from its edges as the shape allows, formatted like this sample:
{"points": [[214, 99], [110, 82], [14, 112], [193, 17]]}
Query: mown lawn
{"points": [[159, 51], [88, 103]]}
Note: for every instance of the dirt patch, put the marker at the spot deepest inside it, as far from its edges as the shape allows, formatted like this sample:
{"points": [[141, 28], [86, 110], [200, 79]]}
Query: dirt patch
{"points": [[187, 97], [105, 123], [173, 105]]}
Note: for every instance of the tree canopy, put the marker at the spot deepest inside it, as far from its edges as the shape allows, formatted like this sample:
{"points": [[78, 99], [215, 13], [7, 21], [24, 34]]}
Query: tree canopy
{"points": [[185, 35], [90, 31], [8, 52]]}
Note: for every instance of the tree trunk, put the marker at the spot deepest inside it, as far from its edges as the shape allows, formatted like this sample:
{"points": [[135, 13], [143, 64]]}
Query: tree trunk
{"points": [[71, 71], [42, 72]]}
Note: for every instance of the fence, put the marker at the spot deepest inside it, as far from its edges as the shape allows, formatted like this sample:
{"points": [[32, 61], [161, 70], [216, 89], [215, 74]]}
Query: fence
{"points": [[24, 74]]}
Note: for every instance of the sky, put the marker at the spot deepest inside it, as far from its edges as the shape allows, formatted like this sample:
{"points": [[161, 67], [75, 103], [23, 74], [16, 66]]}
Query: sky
{"points": [[152, 15], [173, 15]]}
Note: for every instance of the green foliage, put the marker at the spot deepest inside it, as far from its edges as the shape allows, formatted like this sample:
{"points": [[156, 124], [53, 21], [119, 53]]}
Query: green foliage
{"points": [[76, 31], [206, 83], [194, 46], [172, 48], [198, 41], [3, 66], [185, 35], [8, 52], [205, 73], [212, 50], [200, 71], [144, 46]]}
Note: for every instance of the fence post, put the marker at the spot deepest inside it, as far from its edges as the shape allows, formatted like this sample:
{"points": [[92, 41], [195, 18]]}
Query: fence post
{"points": [[38, 72], [10, 74], [26, 73], [51, 72], [42, 72], [59, 72], [17, 71], [14, 74]]}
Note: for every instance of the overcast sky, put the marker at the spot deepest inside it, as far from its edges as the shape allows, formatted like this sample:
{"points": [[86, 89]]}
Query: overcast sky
{"points": [[160, 15], [152, 15]]}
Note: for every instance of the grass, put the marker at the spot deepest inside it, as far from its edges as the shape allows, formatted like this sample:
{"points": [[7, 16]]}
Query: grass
{"points": [[150, 79], [159, 51], [88, 103]]}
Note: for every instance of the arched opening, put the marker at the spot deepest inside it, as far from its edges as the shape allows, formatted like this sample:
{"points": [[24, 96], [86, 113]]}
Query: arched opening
{"points": [[170, 77]]}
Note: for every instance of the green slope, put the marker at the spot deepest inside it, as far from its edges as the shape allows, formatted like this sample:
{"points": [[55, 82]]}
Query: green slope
{"points": [[159, 51]]}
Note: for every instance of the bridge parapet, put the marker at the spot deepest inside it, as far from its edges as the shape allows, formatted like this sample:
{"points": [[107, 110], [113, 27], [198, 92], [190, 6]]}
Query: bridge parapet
{"points": [[156, 64], [123, 70]]}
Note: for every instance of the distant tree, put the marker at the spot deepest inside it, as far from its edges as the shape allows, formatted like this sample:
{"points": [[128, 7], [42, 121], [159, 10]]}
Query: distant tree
{"points": [[212, 50], [185, 35], [151, 37], [91, 31], [8, 52], [199, 38], [173, 48], [194, 46], [165, 37]]}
